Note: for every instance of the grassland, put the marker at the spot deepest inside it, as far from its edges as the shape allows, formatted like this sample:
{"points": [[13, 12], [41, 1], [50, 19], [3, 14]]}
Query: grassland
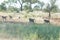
{"points": [[37, 15], [30, 31]]}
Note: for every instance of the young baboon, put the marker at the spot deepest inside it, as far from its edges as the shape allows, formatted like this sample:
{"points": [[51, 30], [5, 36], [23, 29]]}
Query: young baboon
{"points": [[10, 16], [19, 17]]}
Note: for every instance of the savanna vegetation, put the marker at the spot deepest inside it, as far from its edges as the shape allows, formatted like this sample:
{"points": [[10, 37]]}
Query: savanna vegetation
{"points": [[28, 31]]}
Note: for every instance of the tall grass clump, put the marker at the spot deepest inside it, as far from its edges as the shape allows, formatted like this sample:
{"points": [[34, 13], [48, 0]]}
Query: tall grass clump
{"points": [[41, 32], [30, 31]]}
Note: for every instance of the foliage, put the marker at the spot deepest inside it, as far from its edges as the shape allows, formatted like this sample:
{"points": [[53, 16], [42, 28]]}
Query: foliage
{"points": [[36, 8], [3, 7], [31, 1], [32, 31], [26, 7], [51, 7], [13, 9], [41, 4]]}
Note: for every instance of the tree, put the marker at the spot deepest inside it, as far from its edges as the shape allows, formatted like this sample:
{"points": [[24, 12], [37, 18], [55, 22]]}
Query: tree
{"points": [[13, 9], [36, 8], [15, 1], [30, 2], [3, 7], [41, 4], [10, 2], [51, 7], [26, 7], [21, 3]]}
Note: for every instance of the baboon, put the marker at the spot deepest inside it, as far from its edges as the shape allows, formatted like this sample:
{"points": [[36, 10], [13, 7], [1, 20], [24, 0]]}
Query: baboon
{"points": [[19, 17], [31, 20], [10, 16], [46, 21], [4, 18]]}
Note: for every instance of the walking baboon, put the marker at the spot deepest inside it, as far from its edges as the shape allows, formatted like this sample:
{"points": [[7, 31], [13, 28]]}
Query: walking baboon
{"points": [[46, 21], [4, 18], [31, 20], [10, 16], [19, 17]]}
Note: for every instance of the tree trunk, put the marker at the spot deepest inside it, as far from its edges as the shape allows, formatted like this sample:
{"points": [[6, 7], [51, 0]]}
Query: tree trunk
{"points": [[49, 16], [30, 6], [41, 8], [21, 7]]}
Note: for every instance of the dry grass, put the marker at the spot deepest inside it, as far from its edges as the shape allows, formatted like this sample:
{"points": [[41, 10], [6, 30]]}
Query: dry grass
{"points": [[37, 15]]}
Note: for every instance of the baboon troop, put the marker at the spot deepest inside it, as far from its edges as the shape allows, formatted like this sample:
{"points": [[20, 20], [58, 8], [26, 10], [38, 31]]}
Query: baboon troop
{"points": [[31, 20], [4, 18]]}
